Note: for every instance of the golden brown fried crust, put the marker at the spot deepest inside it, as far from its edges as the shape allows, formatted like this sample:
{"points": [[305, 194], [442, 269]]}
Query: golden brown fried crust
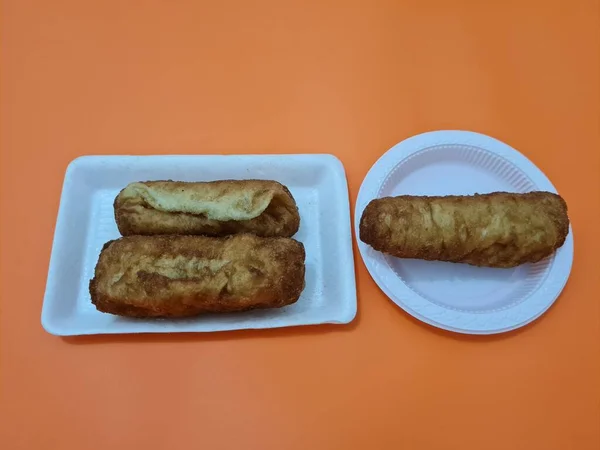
{"points": [[500, 229], [179, 276], [134, 215]]}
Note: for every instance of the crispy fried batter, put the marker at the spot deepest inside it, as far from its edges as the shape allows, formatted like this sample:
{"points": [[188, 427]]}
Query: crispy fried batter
{"points": [[500, 229], [216, 208], [178, 276]]}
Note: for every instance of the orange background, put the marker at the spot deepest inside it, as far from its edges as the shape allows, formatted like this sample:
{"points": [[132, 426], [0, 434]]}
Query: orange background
{"points": [[350, 78]]}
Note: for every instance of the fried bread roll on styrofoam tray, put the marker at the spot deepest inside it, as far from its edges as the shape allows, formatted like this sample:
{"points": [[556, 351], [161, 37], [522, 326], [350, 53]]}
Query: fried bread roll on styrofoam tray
{"points": [[500, 229], [215, 208], [178, 276]]}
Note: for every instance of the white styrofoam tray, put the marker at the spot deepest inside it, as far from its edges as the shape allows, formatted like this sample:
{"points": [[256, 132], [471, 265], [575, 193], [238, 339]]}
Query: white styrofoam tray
{"points": [[86, 221], [460, 297]]}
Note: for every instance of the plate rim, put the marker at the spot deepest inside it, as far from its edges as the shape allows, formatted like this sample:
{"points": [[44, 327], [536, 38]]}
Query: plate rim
{"points": [[406, 298]]}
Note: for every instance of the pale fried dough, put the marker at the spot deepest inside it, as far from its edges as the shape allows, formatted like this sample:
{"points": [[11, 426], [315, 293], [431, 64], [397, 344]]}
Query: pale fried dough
{"points": [[216, 208], [178, 276], [496, 230]]}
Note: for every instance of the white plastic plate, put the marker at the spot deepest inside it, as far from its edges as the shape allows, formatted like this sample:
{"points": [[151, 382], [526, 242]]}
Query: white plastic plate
{"points": [[86, 221], [460, 297]]}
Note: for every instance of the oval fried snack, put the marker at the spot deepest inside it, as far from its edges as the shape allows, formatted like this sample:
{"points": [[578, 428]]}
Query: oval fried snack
{"points": [[500, 229], [215, 208], [179, 276]]}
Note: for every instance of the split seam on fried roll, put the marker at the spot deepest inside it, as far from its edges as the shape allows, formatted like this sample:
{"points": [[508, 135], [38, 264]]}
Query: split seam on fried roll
{"points": [[215, 208]]}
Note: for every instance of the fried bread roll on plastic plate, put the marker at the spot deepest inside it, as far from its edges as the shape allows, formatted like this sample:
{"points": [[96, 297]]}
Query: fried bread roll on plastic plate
{"points": [[495, 230], [216, 208], [426, 215], [179, 276]]}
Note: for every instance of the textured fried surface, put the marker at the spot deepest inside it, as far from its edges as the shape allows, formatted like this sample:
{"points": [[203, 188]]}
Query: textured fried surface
{"points": [[216, 208], [500, 229], [178, 276]]}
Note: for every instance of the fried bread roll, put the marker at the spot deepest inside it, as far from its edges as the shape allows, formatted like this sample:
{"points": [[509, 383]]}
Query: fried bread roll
{"points": [[178, 276], [216, 208], [496, 230]]}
